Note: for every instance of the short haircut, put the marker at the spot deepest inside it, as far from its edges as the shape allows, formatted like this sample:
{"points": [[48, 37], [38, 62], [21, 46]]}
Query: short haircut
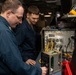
{"points": [[33, 9], [11, 4]]}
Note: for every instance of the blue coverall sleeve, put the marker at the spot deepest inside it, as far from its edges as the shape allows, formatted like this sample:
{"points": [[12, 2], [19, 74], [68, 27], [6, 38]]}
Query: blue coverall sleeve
{"points": [[11, 56]]}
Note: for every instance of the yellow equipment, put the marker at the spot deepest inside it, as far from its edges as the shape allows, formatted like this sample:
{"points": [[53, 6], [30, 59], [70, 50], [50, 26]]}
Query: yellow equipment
{"points": [[47, 46], [73, 11], [50, 45]]}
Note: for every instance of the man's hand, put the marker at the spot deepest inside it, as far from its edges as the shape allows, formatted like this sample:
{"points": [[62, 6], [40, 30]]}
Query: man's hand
{"points": [[31, 62], [44, 70]]}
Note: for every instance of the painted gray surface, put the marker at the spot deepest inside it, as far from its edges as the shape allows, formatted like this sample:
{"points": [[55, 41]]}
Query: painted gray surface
{"points": [[37, 61]]}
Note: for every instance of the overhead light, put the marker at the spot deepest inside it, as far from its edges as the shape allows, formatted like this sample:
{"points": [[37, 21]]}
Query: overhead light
{"points": [[51, 1], [41, 13], [47, 15], [36, 0]]}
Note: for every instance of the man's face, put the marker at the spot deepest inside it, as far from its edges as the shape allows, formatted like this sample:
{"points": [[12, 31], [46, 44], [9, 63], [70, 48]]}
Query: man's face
{"points": [[16, 17], [33, 18]]}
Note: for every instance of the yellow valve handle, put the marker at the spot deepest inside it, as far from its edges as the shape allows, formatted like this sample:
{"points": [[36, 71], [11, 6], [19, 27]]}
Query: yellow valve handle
{"points": [[47, 47], [72, 12], [40, 61], [52, 45]]}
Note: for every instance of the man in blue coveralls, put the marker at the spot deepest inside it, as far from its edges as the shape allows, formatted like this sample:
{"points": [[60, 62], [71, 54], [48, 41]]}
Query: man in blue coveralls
{"points": [[11, 62], [26, 35]]}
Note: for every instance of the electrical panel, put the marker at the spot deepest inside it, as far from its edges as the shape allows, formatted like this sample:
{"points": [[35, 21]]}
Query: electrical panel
{"points": [[62, 39], [54, 44]]}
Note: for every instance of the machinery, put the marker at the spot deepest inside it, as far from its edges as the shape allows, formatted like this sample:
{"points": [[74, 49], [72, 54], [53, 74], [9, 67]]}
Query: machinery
{"points": [[73, 10], [57, 45]]}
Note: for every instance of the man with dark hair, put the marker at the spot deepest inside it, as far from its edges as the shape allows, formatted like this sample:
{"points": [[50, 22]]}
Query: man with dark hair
{"points": [[26, 35], [11, 62]]}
